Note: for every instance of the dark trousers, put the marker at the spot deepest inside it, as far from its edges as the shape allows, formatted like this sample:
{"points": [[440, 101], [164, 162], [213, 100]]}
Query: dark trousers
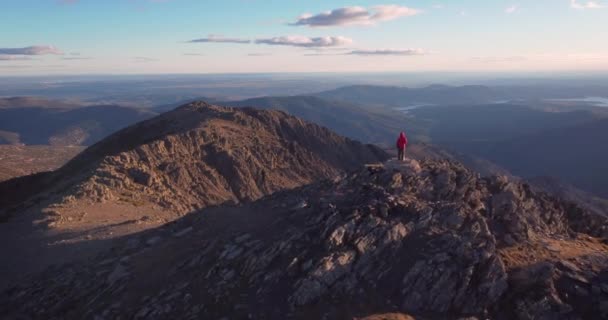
{"points": [[400, 154]]}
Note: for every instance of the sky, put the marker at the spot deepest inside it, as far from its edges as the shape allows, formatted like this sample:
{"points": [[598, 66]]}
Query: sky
{"points": [[46, 37]]}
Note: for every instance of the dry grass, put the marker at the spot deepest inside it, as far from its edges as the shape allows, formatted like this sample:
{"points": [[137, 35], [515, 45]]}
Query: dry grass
{"points": [[18, 161]]}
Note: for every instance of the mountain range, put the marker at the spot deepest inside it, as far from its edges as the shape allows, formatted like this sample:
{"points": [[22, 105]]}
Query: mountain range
{"points": [[36, 121], [565, 139]]}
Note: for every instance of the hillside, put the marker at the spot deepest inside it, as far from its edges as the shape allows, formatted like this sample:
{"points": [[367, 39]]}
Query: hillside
{"points": [[226, 154], [526, 141], [568, 192], [18, 161], [429, 239], [444, 95], [349, 119], [576, 154], [35, 102], [36, 121], [392, 96], [466, 126], [153, 172]]}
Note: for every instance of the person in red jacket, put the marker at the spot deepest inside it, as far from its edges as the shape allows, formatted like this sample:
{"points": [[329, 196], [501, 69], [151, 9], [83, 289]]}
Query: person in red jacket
{"points": [[401, 144]]}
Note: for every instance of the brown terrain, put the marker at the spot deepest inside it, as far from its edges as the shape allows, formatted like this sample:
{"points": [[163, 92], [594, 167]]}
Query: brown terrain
{"points": [[16, 161], [428, 240], [154, 172], [208, 212]]}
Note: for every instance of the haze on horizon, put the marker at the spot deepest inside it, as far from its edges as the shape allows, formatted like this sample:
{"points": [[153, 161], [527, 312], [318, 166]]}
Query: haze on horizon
{"points": [[46, 37]]}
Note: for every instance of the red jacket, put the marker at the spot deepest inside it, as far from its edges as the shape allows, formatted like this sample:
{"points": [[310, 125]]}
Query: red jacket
{"points": [[402, 141]]}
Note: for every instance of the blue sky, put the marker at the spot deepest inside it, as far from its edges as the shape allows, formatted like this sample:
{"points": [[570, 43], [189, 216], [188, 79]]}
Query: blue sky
{"points": [[201, 36]]}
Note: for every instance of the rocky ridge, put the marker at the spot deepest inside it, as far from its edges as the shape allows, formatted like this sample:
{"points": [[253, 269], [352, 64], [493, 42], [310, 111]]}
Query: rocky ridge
{"points": [[430, 239], [196, 156]]}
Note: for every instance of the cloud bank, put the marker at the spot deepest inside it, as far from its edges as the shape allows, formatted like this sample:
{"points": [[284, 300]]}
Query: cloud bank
{"points": [[349, 16], [30, 51], [219, 39], [13, 58], [574, 4], [306, 42]]}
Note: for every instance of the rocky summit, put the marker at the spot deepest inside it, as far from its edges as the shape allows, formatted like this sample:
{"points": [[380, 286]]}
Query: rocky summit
{"points": [[400, 240], [195, 156]]}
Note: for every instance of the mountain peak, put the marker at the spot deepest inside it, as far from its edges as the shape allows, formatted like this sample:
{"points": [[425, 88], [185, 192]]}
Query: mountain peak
{"points": [[200, 154]]}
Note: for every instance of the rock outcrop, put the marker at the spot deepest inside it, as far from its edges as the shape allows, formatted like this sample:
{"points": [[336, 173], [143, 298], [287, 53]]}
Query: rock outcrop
{"points": [[430, 239], [197, 156]]}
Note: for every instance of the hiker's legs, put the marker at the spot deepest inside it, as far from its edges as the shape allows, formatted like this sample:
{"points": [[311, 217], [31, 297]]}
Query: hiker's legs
{"points": [[400, 154]]}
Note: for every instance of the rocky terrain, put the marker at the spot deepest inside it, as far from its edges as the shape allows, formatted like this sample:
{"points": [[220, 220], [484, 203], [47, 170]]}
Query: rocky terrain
{"points": [[428, 239], [200, 155], [153, 172]]}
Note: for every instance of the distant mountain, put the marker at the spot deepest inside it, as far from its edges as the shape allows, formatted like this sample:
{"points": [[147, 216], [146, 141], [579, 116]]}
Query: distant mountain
{"points": [[173, 105], [465, 124], [393, 96], [35, 102], [346, 118], [526, 141], [390, 96], [36, 121]]}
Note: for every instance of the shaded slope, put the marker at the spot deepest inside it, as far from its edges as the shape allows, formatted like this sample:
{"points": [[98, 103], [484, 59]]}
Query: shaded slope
{"points": [[345, 118], [391, 96], [430, 239], [576, 154], [38, 121], [526, 141], [467, 127]]}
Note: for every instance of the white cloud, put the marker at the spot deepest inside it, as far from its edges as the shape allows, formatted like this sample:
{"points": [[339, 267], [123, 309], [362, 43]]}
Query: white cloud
{"points": [[511, 9], [438, 6], [306, 42], [349, 16], [30, 51], [575, 4], [219, 39], [389, 52]]}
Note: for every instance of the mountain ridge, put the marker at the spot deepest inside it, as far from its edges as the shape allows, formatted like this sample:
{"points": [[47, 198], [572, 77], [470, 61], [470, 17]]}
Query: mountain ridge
{"points": [[430, 239], [251, 146]]}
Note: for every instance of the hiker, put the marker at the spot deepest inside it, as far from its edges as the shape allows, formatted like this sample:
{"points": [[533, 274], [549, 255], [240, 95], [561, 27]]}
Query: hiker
{"points": [[401, 144]]}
